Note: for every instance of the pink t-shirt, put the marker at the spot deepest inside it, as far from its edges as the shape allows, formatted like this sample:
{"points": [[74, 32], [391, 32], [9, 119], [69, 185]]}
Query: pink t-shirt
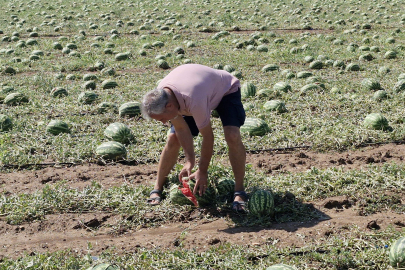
{"points": [[199, 89]]}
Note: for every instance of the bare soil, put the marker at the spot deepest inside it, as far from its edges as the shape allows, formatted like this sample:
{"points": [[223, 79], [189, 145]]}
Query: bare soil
{"points": [[76, 231]]}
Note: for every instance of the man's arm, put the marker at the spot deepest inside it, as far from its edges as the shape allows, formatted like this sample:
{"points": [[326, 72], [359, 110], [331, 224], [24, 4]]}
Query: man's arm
{"points": [[186, 141], [201, 175]]}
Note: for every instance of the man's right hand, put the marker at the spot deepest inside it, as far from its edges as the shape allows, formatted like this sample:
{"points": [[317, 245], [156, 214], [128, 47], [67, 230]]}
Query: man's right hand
{"points": [[186, 171]]}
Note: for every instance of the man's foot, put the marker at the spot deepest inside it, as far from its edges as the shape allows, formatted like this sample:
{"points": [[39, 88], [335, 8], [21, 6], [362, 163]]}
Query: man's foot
{"points": [[155, 197], [239, 201]]}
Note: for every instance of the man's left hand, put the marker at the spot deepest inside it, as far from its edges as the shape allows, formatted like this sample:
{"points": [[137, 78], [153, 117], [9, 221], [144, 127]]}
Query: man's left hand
{"points": [[201, 182]]}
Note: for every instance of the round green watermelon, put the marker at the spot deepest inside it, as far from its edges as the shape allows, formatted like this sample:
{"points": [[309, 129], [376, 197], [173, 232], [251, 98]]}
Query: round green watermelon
{"points": [[106, 106], [255, 127], [111, 150], [280, 267], [15, 99], [57, 127], [225, 189], [275, 105], [119, 132], [130, 109], [87, 97], [376, 121], [248, 89], [261, 203], [5, 123], [104, 266], [177, 197], [397, 253]]}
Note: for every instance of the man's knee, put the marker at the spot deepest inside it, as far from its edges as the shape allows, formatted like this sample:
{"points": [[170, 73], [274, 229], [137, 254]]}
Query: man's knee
{"points": [[232, 135], [172, 140]]}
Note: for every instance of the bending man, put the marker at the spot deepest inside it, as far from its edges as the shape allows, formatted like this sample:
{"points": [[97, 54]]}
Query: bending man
{"points": [[185, 98]]}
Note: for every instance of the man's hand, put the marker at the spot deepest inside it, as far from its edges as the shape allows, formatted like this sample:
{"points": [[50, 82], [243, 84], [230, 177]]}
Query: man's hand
{"points": [[186, 171], [201, 181]]}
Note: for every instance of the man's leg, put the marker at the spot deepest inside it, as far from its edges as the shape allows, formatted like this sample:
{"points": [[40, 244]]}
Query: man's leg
{"points": [[237, 157], [168, 159]]}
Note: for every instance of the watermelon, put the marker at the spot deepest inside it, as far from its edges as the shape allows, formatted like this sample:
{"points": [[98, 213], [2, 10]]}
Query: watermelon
{"points": [[87, 97], [339, 64], [390, 55], [59, 92], [104, 107], [310, 87], [225, 189], [376, 121], [162, 64], [371, 84], [380, 95], [229, 68], [304, 74], [282, 86], [177, 197], [130, 109], [89, 85], [179, 50], [267, 92], [7, 89], [90, 77], [280, 267], [275, 105], [248, 89], [111, 150], [397, 253], [399, 86], [122, 56], [15, 99], [119, 132], [255, 127], [352, 67], [317, 64], [104, 266], [261, 203], [57, 127], [5, 123], [218, 66], [208, 198], [108, 84], [270, 67]]}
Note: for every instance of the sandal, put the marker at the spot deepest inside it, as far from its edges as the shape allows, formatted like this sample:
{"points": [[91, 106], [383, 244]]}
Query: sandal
{"points": [[239, 206], [155, 200]]}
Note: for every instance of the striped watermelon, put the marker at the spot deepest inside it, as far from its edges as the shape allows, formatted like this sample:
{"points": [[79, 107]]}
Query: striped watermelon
{"points": [[5, 123], [15, 99], [87, 97], [209, 197], [90, 77], [317, 64], [130, 109], [376, 121], [270, 67], [275, 105], [177, 197], [162, 64], [397, 253], [399, 86], [111, 150], [108, 84], [119, 132], [371, 84], [248, 89], [57, 127], [380, 95], [229, 68], [310, 87], [89, 85], [122, 56], [352, 67], [282, 86], [225, 189], [104, 266], [255, 127], [280, 267], [304, 74], [106, 106], [59, 92], [261, 203]]}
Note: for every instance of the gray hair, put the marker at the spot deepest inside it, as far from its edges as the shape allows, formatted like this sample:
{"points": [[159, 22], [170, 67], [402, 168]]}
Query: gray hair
{"points": [[154, 102]]}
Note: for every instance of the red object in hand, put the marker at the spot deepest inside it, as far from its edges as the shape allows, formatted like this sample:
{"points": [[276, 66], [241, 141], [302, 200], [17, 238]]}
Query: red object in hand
{"points": [[187, 192]]}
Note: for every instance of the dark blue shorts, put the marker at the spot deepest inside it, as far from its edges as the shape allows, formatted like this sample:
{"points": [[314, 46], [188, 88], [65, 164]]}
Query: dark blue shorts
{"points": [[230, 110]]}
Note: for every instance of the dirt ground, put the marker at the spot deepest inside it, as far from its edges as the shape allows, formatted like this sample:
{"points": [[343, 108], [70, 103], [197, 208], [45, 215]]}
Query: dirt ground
{"points": [[76, 231]]}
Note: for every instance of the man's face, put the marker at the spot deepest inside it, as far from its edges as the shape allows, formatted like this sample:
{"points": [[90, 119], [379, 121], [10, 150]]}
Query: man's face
{"points": [[168, 114]]}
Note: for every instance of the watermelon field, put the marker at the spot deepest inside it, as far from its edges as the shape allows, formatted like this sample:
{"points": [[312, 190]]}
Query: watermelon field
{"points": [[323, 87]]}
